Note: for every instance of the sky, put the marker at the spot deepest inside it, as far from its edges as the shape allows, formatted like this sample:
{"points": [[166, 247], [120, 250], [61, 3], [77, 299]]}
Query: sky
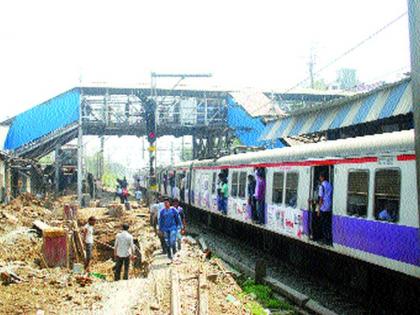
{"points": [[47, 47]]}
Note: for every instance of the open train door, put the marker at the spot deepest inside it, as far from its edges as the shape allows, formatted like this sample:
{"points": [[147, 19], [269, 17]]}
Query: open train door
{"points": [[314, 221]]}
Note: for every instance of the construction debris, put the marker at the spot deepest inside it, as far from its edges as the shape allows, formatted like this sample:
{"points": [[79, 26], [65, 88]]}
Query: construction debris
{"points": [[46, 274]]}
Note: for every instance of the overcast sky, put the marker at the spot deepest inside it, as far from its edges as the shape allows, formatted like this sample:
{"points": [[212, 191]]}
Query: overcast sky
{"points": [[46, 47]]}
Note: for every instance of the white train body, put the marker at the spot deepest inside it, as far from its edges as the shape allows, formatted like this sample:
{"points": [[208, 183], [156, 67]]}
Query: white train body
{"points": [[367, 173]]}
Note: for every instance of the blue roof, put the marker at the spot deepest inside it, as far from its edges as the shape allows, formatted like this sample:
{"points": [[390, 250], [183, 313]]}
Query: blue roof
{"points": [[47, 117]]}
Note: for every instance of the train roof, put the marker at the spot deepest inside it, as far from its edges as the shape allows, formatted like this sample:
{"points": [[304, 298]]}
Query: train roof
{"points": [[372, 145]]}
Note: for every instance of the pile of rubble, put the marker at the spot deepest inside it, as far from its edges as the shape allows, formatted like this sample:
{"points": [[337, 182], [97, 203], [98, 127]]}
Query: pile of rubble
{"points": [[24, 209], [28, 281]]}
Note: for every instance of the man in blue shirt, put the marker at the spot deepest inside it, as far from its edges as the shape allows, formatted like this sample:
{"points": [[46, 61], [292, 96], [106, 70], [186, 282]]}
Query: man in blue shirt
{"points": [[168, 224], [325, 208]]}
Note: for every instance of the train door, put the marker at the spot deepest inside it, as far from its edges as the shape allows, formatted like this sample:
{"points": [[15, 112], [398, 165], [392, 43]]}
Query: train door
{"points": [[314, 221], [213, 203], [260, 194]]}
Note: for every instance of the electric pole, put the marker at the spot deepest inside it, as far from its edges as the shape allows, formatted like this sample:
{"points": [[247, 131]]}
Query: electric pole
{"points": [[414, 32], [311, 65]]}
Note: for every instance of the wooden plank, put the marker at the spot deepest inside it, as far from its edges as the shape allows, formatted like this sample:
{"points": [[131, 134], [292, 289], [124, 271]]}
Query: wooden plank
{"points": [[175, 301], [75, 253], [203, 298], [79, 240], [68, 250]]}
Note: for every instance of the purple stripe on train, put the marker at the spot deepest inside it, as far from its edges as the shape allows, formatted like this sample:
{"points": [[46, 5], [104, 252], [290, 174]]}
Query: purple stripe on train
{"points": [[389, 240], [385, 239]]}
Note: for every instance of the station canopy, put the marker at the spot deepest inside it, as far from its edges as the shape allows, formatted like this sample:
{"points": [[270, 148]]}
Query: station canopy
{"points": [[386, 101], [51, 116]]}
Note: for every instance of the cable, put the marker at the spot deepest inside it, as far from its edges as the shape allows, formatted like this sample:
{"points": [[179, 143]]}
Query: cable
{"points": [[344, 54]]}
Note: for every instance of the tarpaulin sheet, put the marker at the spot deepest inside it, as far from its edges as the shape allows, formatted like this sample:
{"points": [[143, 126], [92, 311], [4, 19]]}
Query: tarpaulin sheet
{"points": [[247, 128], [43, 119]]}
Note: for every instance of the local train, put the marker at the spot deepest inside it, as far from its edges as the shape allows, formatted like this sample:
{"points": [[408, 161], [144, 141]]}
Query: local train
{"points": [[367, 173]]}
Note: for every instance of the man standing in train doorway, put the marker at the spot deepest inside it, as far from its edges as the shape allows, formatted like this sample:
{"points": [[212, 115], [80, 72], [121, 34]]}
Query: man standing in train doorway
{"points": [[260, 195], [325, 208]]}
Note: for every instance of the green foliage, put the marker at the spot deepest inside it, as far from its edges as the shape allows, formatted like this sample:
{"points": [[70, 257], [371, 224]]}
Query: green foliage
{"points": [[255, 308], [112, 170], [264, 295]]}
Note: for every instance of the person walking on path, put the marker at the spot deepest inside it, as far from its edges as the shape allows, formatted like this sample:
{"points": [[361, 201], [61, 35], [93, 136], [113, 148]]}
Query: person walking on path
{"points": [[87, 232], [138, 196], [154, 220], [169, 222], [124, 249], [181, 228], [325, 208]]}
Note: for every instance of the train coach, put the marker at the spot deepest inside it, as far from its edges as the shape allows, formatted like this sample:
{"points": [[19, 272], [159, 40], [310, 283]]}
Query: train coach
{"points": [[367, 173]]}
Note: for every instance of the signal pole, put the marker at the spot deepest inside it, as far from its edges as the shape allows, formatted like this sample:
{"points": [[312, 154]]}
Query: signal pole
{"points": [[414, 31]]}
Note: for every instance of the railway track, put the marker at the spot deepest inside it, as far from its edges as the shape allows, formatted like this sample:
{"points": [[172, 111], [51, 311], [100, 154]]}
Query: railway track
{"points": [[339, 283], [299, 288], [189, 295]]}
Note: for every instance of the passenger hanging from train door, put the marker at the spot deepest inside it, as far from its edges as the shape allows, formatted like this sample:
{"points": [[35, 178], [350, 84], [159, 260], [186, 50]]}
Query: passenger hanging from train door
{"points": [[251, 197], [222, 193], [324, 211], [260, 194]]}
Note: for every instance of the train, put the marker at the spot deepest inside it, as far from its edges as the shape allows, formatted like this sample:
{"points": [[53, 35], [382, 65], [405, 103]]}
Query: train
{"points": [[367, 173]]}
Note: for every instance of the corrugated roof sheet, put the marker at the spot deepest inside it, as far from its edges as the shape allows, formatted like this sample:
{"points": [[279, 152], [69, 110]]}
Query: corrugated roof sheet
{"points": [[387, 101]]}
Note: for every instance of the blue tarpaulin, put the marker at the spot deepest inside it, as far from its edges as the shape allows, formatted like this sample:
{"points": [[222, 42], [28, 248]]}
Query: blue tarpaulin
{"points": [[43, 119], [246, 128]]}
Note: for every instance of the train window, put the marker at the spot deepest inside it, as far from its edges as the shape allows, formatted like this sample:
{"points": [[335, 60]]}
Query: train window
{"points": [[357, 193], [213, 183], [242, 184], [234, 189], [278, 181], [292, 180], [387, 194]]}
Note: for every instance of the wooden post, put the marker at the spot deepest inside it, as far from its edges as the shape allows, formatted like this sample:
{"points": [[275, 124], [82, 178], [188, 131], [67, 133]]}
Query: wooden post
{"points": [[80, 156], [175, 302], [203, 299]]}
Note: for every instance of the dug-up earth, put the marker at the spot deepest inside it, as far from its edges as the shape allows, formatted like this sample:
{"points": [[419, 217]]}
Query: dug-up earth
{"points": [[43, 290]]}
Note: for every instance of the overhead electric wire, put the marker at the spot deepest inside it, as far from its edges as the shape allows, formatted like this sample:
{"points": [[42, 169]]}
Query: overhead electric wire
{"points": [[348, 51], [344, 54]]}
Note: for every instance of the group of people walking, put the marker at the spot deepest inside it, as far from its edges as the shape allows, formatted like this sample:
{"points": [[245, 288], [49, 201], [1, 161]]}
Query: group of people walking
{"points": [[169, 220]]}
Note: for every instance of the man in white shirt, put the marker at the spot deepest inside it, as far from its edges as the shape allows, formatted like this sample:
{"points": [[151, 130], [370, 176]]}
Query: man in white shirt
{"points": [[87, 232], [123, 250]]}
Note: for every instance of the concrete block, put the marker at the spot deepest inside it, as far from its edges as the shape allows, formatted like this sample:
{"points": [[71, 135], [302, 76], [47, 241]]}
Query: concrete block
{"points": [[317, 308], [293, 295]]}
